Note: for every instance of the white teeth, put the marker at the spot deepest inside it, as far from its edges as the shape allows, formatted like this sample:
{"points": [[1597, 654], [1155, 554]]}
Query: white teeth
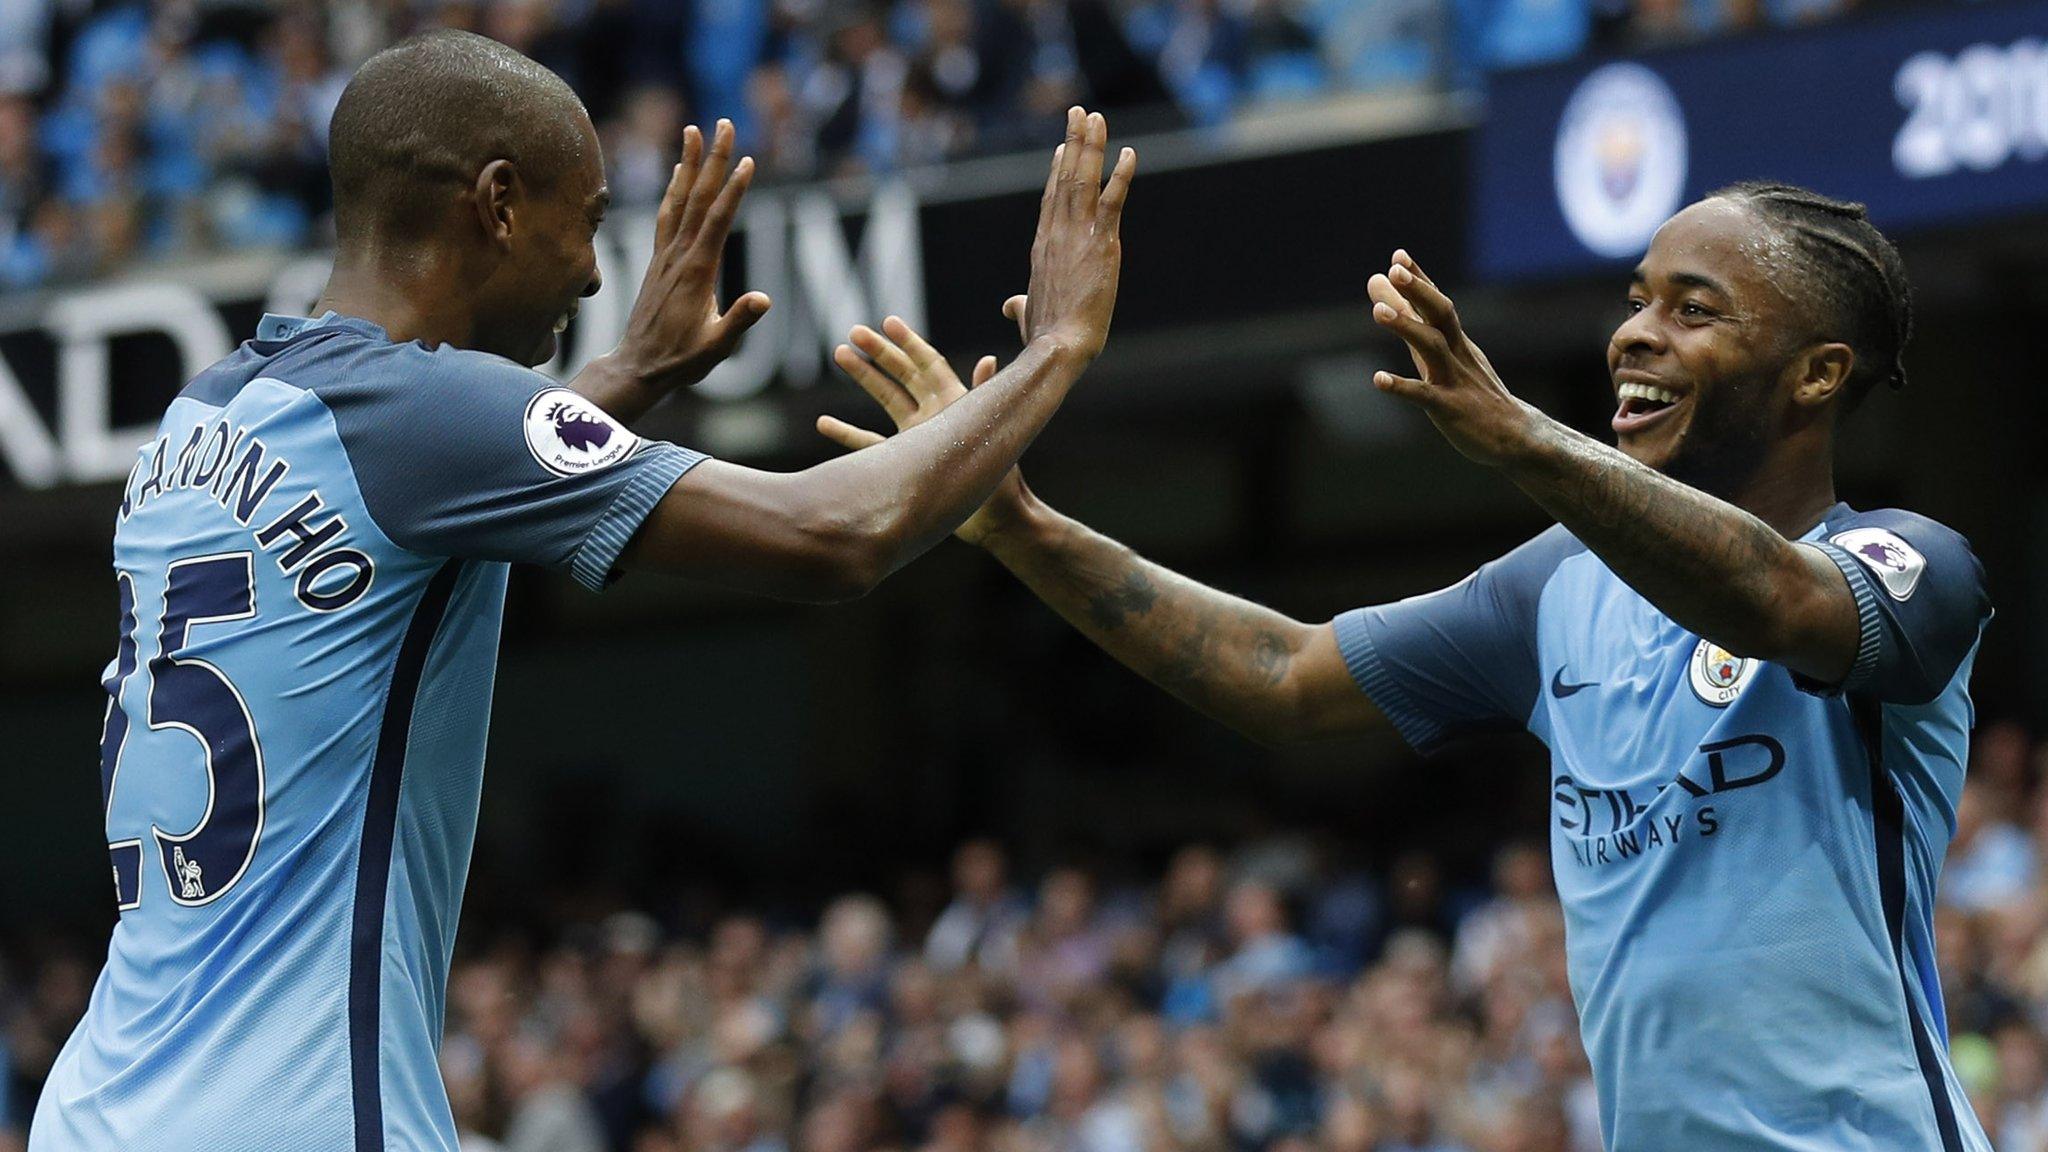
{"points": [[562, 324], [1648, 392]]}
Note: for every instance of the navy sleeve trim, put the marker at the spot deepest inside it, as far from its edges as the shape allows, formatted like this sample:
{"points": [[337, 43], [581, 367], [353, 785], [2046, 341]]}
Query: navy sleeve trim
{"points": [[599, 552], [1869, 625], [1354, 640]]}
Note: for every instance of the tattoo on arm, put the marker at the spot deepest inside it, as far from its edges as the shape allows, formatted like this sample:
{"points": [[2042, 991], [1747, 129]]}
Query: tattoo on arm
{"points": [[1709, 565], [1135, 596], [1219, 653]]}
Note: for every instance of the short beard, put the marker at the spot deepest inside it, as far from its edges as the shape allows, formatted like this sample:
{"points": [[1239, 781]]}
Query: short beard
{"points": [[1727, 440]]}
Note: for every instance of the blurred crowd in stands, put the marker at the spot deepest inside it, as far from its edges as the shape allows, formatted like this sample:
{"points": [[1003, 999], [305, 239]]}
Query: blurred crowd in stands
{"points": [[1261, 999], [133, 130]]}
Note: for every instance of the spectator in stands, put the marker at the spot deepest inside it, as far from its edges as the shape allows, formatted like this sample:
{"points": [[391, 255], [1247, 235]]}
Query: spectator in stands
{"points": [[982, 923], [642, 146], [1500, 932], [852, 977], [1991, 860], [1266, 957]]}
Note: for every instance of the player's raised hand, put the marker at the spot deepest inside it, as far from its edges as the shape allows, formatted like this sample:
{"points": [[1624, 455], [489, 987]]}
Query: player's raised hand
{"points": [[913, 383], [1458, 388], [676, 332], [1078, 252]]}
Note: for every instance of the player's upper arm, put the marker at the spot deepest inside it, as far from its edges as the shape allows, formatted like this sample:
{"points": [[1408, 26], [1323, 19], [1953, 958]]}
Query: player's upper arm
{"points": [[1460, 659], [773, 533], [1920, 602]]}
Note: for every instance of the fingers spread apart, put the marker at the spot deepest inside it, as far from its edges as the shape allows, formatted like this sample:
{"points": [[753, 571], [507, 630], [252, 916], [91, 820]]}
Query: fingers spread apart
{"points": [[886, 391]]}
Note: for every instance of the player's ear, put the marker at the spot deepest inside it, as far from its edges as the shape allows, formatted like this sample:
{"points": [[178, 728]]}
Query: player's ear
{"points": [[496, 190], [1821, 374]]}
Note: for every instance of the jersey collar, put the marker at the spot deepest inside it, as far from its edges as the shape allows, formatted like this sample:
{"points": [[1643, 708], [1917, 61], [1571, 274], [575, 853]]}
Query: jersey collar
{"points": [[276, 328]]}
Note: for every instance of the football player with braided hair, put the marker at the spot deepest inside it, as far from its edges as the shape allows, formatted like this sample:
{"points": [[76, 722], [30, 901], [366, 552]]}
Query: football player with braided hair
{"points": [[1754, 695]]}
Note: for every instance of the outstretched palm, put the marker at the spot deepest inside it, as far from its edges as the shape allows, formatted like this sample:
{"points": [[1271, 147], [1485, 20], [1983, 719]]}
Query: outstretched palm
{"points": [[913, 383]]}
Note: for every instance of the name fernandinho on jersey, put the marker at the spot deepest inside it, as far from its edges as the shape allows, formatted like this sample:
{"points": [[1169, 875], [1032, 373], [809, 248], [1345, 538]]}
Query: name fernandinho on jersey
{"points": [[235, 470]]}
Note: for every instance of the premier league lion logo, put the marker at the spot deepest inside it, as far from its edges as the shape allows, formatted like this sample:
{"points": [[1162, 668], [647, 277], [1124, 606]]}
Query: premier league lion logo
{"points": [[1896, 564], [1884, 553], [577, 428], [569, 435]]}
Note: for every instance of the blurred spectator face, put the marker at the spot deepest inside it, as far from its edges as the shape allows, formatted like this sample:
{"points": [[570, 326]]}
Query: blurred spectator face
{"points": [[955, 1129], [1522, 872], [978, 872], [1255, 913], [1076, 1078], [2022, 1065], [725, 1112], [1410, 1117], [837, 1125], [1350, 1125], [1066, 901], [517, 23], [528, 1063], [855, 937], [859, 37], [914, 994], [739, 945], [1998, 760], [17, 135], [121, 105], [299, 50], [462, 1069], [654, 116], [1194, 883], [743, 1031], [1142, 1049], [951, 22], [648, 142], [1535, 1124]]}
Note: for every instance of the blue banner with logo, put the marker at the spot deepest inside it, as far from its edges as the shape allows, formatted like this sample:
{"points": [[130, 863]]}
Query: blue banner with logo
{"points": [[1934, 117]]}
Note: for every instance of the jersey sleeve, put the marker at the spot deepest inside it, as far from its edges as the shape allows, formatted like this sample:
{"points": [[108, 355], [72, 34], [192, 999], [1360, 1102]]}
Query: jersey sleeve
{"points": [[467, 455], [1461, 659], [1920, 604]]}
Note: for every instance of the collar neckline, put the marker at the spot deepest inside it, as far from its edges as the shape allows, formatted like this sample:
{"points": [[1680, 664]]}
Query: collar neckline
{"points": [[277, 327]]}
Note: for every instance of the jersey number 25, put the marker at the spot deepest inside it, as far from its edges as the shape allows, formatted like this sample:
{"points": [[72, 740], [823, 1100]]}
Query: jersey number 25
{"points": [[192, 696]]}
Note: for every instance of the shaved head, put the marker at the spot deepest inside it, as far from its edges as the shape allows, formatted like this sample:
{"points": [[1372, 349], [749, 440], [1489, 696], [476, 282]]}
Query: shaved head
{"points": [[420, 119]]}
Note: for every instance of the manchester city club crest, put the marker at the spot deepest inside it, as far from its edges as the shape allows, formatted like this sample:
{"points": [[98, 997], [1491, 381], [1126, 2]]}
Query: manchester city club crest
{"points": [[569, 434], [1718, 675], [1620, 159]]}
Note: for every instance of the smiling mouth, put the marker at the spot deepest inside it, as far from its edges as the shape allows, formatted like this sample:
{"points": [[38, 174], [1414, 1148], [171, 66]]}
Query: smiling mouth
{"points": [[1642, 405]]}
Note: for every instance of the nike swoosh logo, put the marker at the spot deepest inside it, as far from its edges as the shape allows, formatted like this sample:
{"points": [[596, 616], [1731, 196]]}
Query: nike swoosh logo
{"points": [[1560, 689]]}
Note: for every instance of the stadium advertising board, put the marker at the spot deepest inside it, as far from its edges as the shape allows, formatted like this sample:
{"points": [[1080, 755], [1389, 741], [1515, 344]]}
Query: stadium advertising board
{"points": [[85, 373], [1930, 118]]}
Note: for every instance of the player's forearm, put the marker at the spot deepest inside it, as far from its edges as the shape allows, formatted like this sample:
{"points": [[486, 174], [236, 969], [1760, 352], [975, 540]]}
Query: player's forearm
{"points": [[1715, 569], [1227, 657], [911, 491]]}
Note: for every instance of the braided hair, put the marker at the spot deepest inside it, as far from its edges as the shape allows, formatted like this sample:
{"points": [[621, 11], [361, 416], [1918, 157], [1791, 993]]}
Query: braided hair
{"points": [[1851, 272]]}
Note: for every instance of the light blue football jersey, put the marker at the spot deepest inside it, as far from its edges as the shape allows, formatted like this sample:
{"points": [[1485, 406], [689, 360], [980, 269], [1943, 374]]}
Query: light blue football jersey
{"points": [[310, 560], [1747, 860]]}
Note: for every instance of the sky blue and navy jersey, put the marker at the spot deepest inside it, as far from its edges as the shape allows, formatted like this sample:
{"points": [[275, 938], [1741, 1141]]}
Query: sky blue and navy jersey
{"points": [[310, 561], [1747, 860]]}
